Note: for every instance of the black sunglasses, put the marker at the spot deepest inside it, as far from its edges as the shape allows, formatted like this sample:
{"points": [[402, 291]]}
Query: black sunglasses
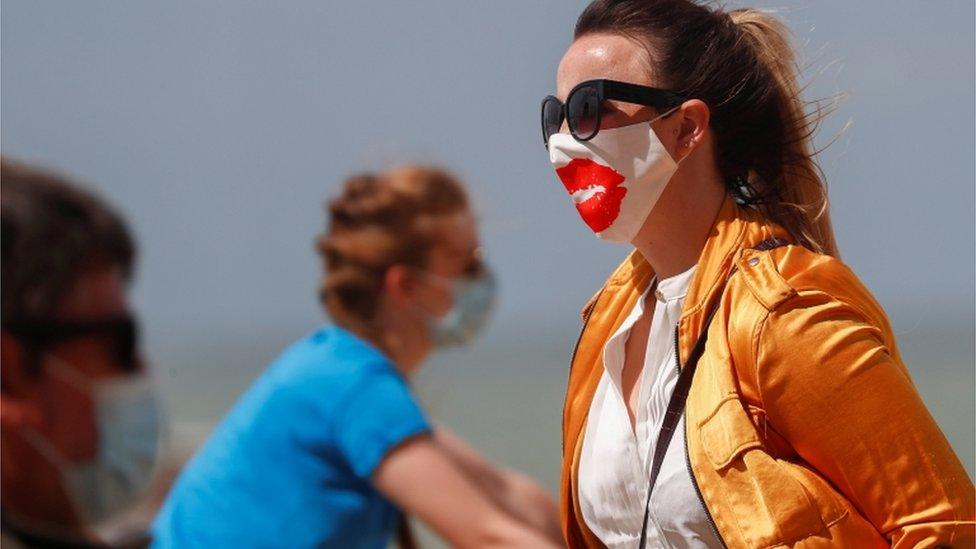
{"points": [[583, 106], [38, 335]]}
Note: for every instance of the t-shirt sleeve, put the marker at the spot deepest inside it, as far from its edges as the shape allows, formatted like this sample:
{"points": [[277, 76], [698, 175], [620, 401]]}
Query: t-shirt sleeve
{"points": [[376, 415]]}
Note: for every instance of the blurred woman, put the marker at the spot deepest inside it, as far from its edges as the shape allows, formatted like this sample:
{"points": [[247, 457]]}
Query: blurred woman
{"points": [[329, 447], [734, 383]]}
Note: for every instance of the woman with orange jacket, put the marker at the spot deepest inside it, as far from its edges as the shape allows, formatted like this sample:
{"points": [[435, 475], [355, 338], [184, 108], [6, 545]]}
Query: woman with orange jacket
{"points": [[734, 383]]}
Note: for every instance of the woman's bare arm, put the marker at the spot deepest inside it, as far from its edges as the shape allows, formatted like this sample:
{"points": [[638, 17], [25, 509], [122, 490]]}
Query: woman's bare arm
{"points": [[421, 478], [513, 492]]}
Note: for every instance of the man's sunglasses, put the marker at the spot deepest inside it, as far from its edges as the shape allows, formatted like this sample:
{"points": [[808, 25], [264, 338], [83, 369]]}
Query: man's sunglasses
{"points": [[37, 335], [585, 100]]}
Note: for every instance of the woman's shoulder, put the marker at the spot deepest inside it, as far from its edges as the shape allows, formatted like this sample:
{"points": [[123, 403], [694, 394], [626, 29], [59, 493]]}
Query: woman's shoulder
{"points": [[794, 276], [790, 290], [315, 373], [330, 355], [791, 301]]}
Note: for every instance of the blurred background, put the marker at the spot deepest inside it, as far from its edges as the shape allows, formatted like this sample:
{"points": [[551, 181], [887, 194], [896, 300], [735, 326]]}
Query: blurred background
{"points": [[220, 128]]}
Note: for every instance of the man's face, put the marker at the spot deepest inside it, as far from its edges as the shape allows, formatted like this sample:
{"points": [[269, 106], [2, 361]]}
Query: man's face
{"points": [[55, 405]]}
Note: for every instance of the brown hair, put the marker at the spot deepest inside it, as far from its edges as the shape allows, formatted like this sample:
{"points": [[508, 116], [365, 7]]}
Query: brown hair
{"points": [[381, 220], [741, 64], [51, 232]]}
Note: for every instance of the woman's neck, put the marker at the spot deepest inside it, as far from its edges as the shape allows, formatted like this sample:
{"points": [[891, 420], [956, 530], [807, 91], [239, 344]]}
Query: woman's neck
{"points": [[673, 236], [395, 339]]}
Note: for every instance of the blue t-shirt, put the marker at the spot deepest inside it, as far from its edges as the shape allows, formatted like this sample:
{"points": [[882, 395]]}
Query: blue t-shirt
{"points": [[290, 465]]}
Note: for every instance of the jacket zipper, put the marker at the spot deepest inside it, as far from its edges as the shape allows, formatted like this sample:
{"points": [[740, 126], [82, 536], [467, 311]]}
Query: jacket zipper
{"points": [[572, 359], [691, 472]]}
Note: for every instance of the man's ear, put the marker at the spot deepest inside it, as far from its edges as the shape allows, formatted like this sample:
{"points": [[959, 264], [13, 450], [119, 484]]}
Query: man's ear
{"points": [[695, 117], [18, 406]]}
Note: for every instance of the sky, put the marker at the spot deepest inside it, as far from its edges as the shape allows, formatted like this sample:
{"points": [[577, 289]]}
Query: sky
{"points": [[220, 128]]}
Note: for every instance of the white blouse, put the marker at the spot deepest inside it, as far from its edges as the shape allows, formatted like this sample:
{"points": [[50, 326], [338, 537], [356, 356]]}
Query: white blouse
{"points": [[615, 460]]}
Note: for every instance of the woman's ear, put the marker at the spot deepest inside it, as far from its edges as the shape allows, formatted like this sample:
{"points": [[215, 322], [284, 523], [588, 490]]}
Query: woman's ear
{"points": [[399, 283], [693, 118]]}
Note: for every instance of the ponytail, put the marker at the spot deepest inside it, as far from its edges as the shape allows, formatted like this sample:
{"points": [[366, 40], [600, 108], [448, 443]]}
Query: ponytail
{"points": [[800, 205], [741, 64]]}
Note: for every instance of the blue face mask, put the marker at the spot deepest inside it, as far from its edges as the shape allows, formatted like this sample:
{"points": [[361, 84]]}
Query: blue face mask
{"points": [[474, 299], [129, 435]]}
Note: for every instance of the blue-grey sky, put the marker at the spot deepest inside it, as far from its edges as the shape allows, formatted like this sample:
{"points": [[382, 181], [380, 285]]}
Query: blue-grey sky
{"points": [[219, 128]]}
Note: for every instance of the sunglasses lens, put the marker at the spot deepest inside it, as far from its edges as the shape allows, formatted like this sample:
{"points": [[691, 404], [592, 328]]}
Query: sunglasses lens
{"points": [[552, 117], [583, 110]]}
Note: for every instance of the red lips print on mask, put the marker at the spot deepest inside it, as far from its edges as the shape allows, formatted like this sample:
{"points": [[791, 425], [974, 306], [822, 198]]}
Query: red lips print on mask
{"points": [[596, 191]]}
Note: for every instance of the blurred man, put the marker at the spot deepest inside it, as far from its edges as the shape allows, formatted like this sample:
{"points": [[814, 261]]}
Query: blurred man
{"points": [[80, 426]]}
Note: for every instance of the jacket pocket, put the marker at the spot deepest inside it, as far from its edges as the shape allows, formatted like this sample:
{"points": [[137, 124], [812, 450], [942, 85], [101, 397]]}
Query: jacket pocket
{"points": [[766, 501]]}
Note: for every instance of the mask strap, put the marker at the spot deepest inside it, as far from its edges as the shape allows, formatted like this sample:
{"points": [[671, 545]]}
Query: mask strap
{"points": [[67, 373], [441, 279], [656, 118], [39, 442], [44, 447], [660, 116], [420, 308]]}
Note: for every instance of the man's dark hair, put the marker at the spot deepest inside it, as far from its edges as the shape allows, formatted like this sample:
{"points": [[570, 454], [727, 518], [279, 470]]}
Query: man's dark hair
{"points": [[52, 231]]}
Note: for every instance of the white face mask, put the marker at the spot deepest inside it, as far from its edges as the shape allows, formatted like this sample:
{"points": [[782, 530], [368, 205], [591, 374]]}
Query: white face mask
{"points": [[474, 299], [615, 178], [129, 439]]}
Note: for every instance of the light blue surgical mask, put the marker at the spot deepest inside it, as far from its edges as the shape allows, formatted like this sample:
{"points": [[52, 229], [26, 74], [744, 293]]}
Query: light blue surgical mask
{"points": [[129, 432], [474, 300]]}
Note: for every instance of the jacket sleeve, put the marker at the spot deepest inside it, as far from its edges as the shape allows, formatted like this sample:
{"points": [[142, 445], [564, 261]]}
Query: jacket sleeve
{"points": [[835, 390]]}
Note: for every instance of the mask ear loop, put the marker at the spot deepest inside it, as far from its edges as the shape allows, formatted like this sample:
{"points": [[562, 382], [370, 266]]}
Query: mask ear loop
{"points": [[49, 453], [443, 281], [67, 373], [33, 437], [664, 115], [44, 447]]}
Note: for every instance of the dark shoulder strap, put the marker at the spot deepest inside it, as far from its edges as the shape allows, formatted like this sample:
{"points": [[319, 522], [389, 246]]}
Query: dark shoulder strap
{"points": [[770, 243], [676, 405]]}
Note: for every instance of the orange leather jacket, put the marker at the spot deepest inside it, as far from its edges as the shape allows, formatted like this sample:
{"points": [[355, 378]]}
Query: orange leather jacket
{"points": [[803, 425]]}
